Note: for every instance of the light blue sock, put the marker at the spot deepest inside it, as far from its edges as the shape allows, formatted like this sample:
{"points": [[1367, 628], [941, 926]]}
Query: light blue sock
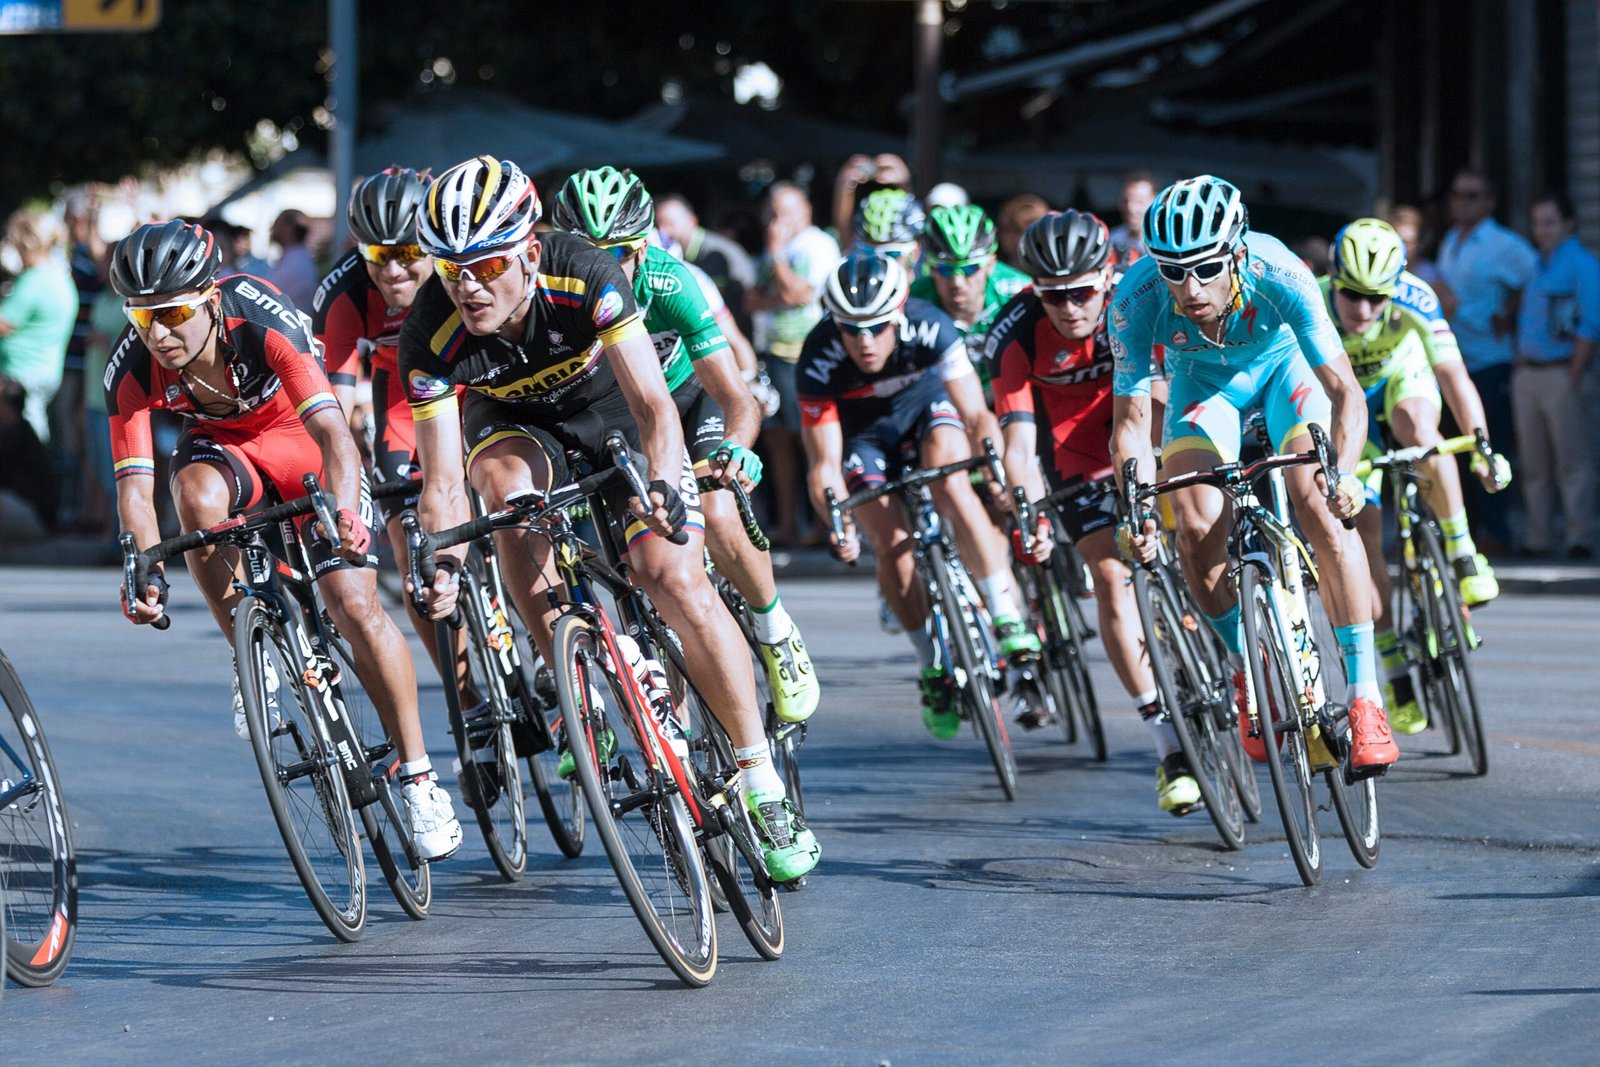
{"points": [[1227, 627], [1360, 661]]}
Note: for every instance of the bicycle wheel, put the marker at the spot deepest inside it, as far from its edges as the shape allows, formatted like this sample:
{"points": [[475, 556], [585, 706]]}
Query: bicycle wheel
{"points": [[639, 814], [1454, 673], [1274, 679], [38, 872], [386, 822], [964, 630], [1069, 661], [299, 769], [560, 800], [1207, 643], [783, 738], [1355, 801], [1187, 692]]}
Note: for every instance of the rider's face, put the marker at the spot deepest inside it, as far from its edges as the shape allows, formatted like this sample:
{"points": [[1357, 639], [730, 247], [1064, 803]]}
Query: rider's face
{"points": [[488, 304], [1072, 320], [1356, 312], [398, 281], [175, 347], [962, 294], [871, 350], [1204, 303]]}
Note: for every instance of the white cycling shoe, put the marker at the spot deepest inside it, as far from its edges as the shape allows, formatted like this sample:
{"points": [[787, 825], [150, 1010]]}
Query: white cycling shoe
{"points": [[240, 727], [434, 827]]}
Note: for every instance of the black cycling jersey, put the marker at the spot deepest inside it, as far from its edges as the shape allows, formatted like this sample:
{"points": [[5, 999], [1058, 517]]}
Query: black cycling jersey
{"points": [[832, 387]]}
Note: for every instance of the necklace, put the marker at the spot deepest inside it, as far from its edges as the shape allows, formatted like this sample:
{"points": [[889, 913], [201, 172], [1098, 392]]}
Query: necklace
{"points": [[237, 402]]}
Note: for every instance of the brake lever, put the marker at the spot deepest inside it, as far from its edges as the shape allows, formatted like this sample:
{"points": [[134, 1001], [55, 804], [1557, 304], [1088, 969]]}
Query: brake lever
{"points": [[136, 577], [622, 456]]}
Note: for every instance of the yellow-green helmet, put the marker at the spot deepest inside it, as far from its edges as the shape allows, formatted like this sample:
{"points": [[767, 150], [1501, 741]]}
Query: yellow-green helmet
{"points": [[889, 216], [1368, 257]]}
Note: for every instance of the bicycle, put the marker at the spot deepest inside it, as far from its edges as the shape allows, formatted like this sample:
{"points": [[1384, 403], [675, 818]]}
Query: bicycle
{"points": [[1435, 627], [1192, 682], [38, 870], [964, 645], [1049, 590], [307, 716], [654, 814], [1288, 705]]}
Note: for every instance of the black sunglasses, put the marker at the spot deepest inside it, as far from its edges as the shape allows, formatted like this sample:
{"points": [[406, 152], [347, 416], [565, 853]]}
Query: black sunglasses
{"points": [[1059, 295], [1366, 298]]}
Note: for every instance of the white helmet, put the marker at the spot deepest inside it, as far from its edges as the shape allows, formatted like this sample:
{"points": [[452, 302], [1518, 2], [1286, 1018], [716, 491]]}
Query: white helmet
{"points": [[480, 204], [866, 288]]}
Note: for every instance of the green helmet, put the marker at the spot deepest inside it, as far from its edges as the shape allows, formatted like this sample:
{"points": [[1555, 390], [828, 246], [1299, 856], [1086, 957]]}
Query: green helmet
{"points": [[1368, 257], [604, 205], [889, 216], [959, 233]]}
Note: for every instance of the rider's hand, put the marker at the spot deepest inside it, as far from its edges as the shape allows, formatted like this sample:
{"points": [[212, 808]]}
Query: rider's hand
{"points": [[667, 512], [1137, 547], [1350, 496], [355, 539], [744, 465], [847, 550], [153, 606], [439, 598], [1495, 475], [1035, 549]]}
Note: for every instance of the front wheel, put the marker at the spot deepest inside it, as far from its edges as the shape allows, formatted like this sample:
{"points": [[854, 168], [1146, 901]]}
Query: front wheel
{"points": [[964, 631], [1447, 616], [1067, 660]]}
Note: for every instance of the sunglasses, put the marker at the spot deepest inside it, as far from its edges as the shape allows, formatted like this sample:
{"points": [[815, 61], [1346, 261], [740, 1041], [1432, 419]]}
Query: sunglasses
{"points": [[851, 329], [965, 268], [484, 269], [1374, 299], [1205, 272], [1059, 295], [622, 251], [383, 255], [895, 251], [170, 315]]}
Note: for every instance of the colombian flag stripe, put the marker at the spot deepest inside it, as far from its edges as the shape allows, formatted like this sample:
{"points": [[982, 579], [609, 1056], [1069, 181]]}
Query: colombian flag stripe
{"points": [[315, 403], [448, 338], [135, 465], [568, 292]]}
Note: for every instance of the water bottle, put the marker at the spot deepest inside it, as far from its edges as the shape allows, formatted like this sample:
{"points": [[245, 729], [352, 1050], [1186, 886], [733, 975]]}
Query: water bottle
{"points": [[652, 679]]}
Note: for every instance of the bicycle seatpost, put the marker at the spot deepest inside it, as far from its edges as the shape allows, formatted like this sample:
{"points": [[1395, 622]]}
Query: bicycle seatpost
{"points": [[622, 456]]}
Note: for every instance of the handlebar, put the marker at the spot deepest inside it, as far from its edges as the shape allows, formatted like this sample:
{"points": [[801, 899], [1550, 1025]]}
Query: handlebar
{"points": [[1405, 457], [741, 499]]}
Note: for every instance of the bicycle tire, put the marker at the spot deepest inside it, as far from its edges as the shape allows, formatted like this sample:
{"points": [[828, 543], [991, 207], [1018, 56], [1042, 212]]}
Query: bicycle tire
{"points": [[975, 686], [650, 843], [1072, 662], [1225, 716], [1461, 694], [1186, 692], [1355, 800], [1036, 590], [311, 805], [1412, 626], [1274, 680], [38, 868]]}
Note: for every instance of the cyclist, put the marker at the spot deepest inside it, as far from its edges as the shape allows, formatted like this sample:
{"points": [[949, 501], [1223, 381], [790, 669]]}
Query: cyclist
{"points": [[1049, 358], [1243, 324], [885, 385], [612, 209], [239, 360], [965, 276], [891, 220], [1404, 356], [544, 332]]}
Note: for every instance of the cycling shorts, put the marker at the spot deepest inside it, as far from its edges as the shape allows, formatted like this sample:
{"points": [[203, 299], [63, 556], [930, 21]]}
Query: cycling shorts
{"points": [[1206, 402], [1090, 505], [1409, 377], [394, 441], [703, 426], [490, 424], [881, 449]]}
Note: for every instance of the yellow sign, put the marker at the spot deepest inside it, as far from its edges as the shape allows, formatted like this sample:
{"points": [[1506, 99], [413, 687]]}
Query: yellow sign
{"points": [[113, 15]]}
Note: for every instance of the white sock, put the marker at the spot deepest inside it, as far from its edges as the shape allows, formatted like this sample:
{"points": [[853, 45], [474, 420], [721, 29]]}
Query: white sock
{"points": [[996, 591], [772, 624], [1161, 730], [416, 767], [755, 763], [922, 641]]}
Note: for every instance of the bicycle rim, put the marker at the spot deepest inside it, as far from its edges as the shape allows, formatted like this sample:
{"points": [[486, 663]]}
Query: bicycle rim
{"points": [[560, 800], [733, 856], [494, 783], [961, 622], [1056, 658], [300, 772], [1289, 767], [1073, 665], [649, 841], [1455, 670], [1355, 801], [38, 872]]}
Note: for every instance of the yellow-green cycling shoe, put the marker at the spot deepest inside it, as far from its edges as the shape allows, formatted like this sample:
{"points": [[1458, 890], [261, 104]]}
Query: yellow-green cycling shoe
{"points": [[1400, 700], [605, 744], [795, 692], [939, 713], [1176, 790], [1478, 583], [787, 844], [1015, 637]]}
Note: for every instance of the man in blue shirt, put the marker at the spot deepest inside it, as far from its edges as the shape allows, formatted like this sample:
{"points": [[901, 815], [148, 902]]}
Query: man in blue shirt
{"points": [[1557, 327], [1486, 265]]}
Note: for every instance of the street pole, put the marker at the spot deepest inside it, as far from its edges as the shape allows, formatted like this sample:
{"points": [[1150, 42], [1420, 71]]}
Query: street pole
{"points": [[926, 119], [343, 104]]}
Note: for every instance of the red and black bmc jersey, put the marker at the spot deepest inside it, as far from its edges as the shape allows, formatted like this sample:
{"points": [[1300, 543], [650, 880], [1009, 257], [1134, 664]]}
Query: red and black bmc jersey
{"points": [[1032, 366], [274, 363], [582, 304], [831, 387], [349, 312]]}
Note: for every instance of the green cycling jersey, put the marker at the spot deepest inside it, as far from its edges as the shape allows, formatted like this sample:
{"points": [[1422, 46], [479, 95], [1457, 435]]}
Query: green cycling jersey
{"points": [[682, 324]]}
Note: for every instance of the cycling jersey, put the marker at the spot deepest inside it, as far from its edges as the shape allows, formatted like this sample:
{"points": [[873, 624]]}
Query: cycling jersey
{"points": [[1032, 364], [349, 315], [582, 303], [1400, 335], [681, 322], [1005, 282], [1416, 295]]}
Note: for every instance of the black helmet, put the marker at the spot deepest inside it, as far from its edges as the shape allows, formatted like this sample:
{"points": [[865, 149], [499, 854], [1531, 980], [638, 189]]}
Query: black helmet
{"points": [[165, 257], [1064, 243], [383, 209]]}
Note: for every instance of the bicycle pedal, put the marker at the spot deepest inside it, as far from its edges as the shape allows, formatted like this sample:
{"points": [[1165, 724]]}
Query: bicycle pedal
{"points": [[1352, 775], [1188, 809]]}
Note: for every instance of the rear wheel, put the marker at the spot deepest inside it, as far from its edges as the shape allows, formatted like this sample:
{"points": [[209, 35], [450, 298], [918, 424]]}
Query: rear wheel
{"points": [[1355, 801], [1067, 659], [38, 873], [1447, 617]]}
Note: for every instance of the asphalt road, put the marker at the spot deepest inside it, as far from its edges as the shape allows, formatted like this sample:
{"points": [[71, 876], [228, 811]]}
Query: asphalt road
{"points": [[944, 926]]}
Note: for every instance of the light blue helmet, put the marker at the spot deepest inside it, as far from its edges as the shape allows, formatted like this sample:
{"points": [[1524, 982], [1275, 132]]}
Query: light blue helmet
{"points": [[1195, 219]]}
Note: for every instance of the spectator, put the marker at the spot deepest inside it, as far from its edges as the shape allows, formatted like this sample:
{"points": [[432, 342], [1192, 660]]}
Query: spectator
{"points": [[296, 272], [860, 177], [1408, 222], [1014, 216], [946, 194], [784, 306], [106, 323], [29, 497], [1314, 252], [85, 254], [721, 257], [1127, 240], [1487, 265], [234, 243], [1557, 327], [37, 318]]}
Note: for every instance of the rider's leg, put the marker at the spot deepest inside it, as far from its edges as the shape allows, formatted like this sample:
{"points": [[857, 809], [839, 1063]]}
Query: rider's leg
{"points": [[883, 523], [515, 464], [204, 493], [982, 547], [382, 657]]}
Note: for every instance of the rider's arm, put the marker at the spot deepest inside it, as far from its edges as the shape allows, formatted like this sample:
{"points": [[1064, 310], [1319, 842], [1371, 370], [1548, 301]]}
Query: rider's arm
{"points": [[823, 440], [1460, 395], [966, 393], [741, 415], [133, 456], [336, 324], [1013, 404], [633, 359]]}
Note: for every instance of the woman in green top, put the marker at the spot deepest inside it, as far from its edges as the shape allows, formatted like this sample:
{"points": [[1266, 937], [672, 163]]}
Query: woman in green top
{"points": [[37, 316]]}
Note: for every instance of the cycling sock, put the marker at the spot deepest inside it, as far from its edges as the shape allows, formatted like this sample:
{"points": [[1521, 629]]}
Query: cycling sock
{"points": [[996, 591], [1387, 644], [1360, 661], [771, 623], [1457, 537], [1166, 738], [755, 763], [922, 641], [1227, 627], [416, 768]]}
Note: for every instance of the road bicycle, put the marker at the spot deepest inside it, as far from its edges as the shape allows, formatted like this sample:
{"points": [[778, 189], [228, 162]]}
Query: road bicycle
{"points": [[323, 755], [38, 871], [963, 633]]}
